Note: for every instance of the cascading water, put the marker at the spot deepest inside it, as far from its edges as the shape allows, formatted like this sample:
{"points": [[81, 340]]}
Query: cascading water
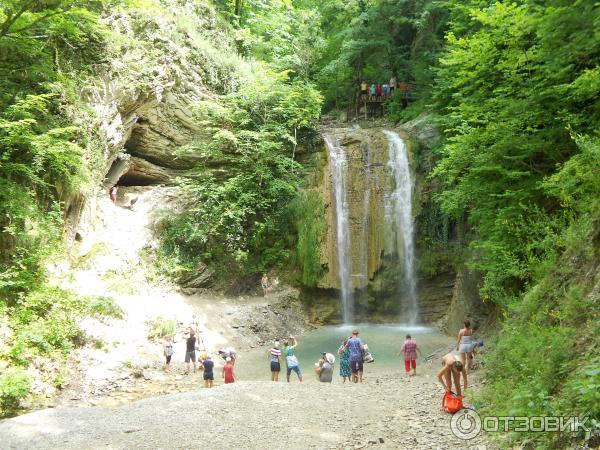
{"points": [[339, 166], [398, 211]]}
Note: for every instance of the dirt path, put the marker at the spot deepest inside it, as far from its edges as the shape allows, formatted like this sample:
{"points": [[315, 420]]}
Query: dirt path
{"points": [[120, 363], [384, 412]]}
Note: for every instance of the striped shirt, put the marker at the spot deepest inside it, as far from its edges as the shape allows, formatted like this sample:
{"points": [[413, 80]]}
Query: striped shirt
{"points": [[275, 354], [410, 349]]}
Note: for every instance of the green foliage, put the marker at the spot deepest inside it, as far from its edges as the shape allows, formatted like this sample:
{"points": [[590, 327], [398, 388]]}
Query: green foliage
{"points": [[507, 107], [237, 216], [14, 385], [44, 321], [120, 282], [284, 35], [517, 97], [160, 327], [307, 212], [101, 306], [375, 40], [41, 163]]}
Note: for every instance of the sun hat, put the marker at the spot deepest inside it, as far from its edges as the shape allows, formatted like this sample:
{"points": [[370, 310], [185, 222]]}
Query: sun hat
{"points": [[228, 359], [330, 358]]}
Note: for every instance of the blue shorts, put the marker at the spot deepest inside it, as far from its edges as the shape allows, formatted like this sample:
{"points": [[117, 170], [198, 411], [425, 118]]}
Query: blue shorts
{"points": [[295, 369], [275, 366]]}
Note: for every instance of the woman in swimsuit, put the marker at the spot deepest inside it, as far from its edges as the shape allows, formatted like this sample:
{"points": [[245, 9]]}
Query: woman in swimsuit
{"points": [[464, 344]]}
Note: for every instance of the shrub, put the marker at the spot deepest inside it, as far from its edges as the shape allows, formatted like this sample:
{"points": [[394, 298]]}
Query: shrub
{"points": [[101, 306], [14, 385], [160, 327], [307, 212]]}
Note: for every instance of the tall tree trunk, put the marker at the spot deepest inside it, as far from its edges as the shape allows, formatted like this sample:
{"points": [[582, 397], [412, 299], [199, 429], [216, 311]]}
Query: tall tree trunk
{"points": [[238, 9]]}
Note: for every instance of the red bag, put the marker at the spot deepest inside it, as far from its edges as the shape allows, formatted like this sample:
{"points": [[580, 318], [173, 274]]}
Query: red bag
{"points": [[451, 402]]}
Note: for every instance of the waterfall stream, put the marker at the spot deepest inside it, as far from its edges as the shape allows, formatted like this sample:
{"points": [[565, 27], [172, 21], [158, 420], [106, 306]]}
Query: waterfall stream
{"points": [[339, 167], [398, 209]]}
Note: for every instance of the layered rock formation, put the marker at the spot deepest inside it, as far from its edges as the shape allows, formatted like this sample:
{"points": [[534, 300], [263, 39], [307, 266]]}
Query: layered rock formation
{"points": [[144, 101], [373, 255], [367, 179], [376, 277]]}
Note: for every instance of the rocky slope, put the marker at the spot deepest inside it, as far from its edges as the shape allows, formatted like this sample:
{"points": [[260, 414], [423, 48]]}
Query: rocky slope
{"points": [[124, 355]]}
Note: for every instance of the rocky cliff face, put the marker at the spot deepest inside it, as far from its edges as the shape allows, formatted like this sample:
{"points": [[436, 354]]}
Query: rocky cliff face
{"points": [[376, 270], [373, 254], [367, 184], [157, 71]]}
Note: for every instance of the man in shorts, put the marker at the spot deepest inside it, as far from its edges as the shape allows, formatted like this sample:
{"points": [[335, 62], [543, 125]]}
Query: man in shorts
{"points": [[264, 283], [208, 366], [363, 90], [190, 350], [291, 360], [355, 346]]}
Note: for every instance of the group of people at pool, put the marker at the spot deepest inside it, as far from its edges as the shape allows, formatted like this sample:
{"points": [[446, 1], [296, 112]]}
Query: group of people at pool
{"points": [[353, 353]]}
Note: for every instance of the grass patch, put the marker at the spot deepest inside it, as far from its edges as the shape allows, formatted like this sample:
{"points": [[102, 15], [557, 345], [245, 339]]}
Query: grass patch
{"points": [[102, 306], [160, 327], [120, 282]]}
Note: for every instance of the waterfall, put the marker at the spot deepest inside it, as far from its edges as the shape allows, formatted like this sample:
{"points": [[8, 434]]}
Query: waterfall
{"points": [[339, 166], [398, 211]]}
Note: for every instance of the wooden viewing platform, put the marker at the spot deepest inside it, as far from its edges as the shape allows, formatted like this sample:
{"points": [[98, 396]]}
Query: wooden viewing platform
{"points": [[374, 106]]}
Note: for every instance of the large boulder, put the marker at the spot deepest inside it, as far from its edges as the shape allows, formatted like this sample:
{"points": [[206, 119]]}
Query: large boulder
{"points": [[199, 278]]}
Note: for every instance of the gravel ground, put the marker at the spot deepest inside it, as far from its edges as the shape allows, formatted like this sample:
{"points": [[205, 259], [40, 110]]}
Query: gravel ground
{"points": [[384, 412]]}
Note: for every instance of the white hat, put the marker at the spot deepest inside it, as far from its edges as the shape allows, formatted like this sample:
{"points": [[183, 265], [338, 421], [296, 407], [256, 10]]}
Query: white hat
{"points": [[330, 358], [228, 359]]}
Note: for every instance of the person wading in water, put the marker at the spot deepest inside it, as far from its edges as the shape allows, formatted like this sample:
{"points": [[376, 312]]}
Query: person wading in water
{"points": [[410, 349], [356, 358]]}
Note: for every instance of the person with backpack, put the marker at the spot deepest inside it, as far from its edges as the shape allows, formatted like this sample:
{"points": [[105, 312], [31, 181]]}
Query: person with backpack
{"points": [[410, 349], [168, 351], [291, 360]]}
